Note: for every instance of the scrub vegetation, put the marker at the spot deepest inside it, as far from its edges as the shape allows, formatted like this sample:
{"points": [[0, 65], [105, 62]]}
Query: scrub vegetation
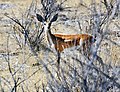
{"points": [[29, 64]]}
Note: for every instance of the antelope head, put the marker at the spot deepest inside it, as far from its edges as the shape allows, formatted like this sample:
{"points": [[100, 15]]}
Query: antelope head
{"points": [[46, 23]]}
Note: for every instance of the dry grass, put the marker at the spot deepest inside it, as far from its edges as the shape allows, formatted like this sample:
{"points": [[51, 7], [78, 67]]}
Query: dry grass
{"points": [[22, 57]]}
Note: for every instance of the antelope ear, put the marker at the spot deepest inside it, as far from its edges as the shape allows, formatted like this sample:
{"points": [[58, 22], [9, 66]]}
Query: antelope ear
{"points": [[40, 18], [54, 18]]}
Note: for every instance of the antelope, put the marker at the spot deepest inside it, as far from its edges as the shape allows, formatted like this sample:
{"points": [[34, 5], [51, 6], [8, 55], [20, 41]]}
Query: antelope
{"points": [[59, 42]]}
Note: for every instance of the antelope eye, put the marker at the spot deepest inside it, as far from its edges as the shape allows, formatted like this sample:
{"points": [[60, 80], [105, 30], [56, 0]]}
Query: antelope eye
{"points": [[43, 23]]}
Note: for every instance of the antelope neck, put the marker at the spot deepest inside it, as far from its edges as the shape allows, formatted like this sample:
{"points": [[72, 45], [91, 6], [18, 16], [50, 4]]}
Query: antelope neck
{"points": [[49, 36]]}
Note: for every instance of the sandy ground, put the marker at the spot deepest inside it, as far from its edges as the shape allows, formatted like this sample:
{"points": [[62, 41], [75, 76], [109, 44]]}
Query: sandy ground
{"points": [[23, 59]]}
